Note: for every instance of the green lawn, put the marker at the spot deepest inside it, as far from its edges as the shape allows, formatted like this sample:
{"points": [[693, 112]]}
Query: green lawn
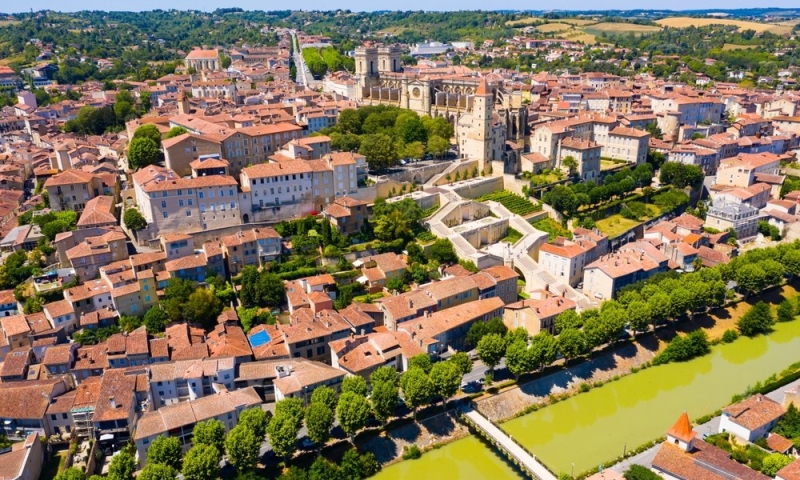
{"points": [[615, 225], [53, 465], [512, 236]]}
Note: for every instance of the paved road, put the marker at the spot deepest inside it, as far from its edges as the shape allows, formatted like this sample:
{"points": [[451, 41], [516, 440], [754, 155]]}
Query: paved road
{"points": [[645, 458], [303, 73]]}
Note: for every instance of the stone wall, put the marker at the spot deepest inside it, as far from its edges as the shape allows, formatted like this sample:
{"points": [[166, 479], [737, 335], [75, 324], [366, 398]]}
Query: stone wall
{"points": [[476, 187]]}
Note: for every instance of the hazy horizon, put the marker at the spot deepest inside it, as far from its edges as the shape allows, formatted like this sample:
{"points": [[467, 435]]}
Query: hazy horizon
{"points": [[445, 5]]}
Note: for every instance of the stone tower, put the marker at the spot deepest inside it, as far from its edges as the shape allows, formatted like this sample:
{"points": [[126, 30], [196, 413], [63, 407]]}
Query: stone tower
{"points": [[367, 72], [389, 59]]}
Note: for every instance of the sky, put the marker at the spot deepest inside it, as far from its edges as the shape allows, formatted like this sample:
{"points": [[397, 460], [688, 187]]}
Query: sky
{"points": [[359, 5]]}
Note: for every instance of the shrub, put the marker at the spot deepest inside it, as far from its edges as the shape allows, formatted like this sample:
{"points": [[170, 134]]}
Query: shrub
{"points": [[681, 349], [729, 336], [411, 452]]}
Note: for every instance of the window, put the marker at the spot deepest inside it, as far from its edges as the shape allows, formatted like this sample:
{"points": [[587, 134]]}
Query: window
{"points": [[191, 202], [200, 194], [64, 416], [166, 214], [163, 204], [180, 203]]}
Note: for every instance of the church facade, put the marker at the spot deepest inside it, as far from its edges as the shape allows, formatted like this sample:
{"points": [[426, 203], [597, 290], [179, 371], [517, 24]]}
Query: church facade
{"points": [[490, 123]]}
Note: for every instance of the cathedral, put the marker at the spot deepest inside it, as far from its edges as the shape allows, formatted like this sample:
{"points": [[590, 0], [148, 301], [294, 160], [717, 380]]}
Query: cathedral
{"points": [[490, 123]]}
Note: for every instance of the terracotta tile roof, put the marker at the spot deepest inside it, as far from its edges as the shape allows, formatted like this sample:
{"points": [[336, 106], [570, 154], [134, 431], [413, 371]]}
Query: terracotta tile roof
{"points": [[790, 472], [159, 348], [15, 325], [60, 308], [754, 412], [682, 430], [69, 177], [182, 414], [428, 327], [778, 443], [62, 403], [275, 348], [91, 357], [98, 211], [228, 341], [16, 362], [306, 374], [703, 462], [119, 385], [58, 355], [26, 400]]}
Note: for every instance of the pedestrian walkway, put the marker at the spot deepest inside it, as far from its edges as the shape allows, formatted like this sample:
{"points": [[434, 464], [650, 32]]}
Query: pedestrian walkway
{"points": [[518, 454]]}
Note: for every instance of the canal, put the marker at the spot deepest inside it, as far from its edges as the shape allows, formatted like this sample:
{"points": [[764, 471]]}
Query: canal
{"points": [[594, 427]]}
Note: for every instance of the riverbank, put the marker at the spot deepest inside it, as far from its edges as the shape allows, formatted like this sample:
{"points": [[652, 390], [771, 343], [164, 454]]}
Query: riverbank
{"points": [[617, 363], [631, 411]]}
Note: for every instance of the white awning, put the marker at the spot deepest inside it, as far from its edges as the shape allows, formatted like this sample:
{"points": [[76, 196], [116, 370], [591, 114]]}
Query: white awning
{"points": [[107, 436]]}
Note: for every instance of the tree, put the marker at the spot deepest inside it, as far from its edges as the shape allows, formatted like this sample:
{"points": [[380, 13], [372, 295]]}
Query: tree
{"points": [[384, 399], [774, 462], [479, 329], [640, 315], [256, 420], [518, 358], [415, 252], [270, 291], [142, 152], [176, 132], [562, 199], [122, 467], [165, 451], [352, 412], [157, 471], [570, 163], [568, 319], [786, 311], [325, 395], [282, 433], [438, 146], [463, 361], [421, 361], [242, 447], [445, 379], [210, 432], [442, 251], [201, 462], [417, 388], [755, 321], [72, 473], [491, 349], [155, 320], [322, 469], [409, 128], [319, 419], [349, 122], [202, 307], [292, 408], [660, 307], [791, 260], [638, 472], [571, 343], [379, 150], [150, 131], [544, 349], [355, 384]]}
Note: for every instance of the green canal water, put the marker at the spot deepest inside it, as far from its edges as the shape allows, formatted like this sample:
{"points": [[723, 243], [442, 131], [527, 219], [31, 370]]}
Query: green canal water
{"points": [[595, 427]]}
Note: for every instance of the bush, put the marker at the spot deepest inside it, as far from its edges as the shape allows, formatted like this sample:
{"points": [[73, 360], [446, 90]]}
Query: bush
{"points": [[681, 349], [757, 320], [411, 452], [730, 336]]}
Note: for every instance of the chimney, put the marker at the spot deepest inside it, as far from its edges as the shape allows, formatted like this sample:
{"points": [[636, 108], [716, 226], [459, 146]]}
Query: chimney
{"points": [[112, 402], [410, 303]]}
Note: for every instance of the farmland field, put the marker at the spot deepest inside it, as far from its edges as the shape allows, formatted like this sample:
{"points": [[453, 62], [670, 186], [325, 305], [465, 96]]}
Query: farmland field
{"points": [[523, 21], [577, 21], [733, 46], [683, 22], [620, 28], [553, 27]]}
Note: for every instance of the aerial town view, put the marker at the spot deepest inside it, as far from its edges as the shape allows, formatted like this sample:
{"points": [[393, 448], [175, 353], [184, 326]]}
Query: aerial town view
{"points": [[243, 243]]}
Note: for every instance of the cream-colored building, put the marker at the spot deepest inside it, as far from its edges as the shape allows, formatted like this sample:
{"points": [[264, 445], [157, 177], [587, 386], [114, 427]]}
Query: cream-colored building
{"points": [[536, 315], [172, 204], [181, 151], [629, 144], [72, 189], [586, 154], [203, 60], [741, 170]]}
